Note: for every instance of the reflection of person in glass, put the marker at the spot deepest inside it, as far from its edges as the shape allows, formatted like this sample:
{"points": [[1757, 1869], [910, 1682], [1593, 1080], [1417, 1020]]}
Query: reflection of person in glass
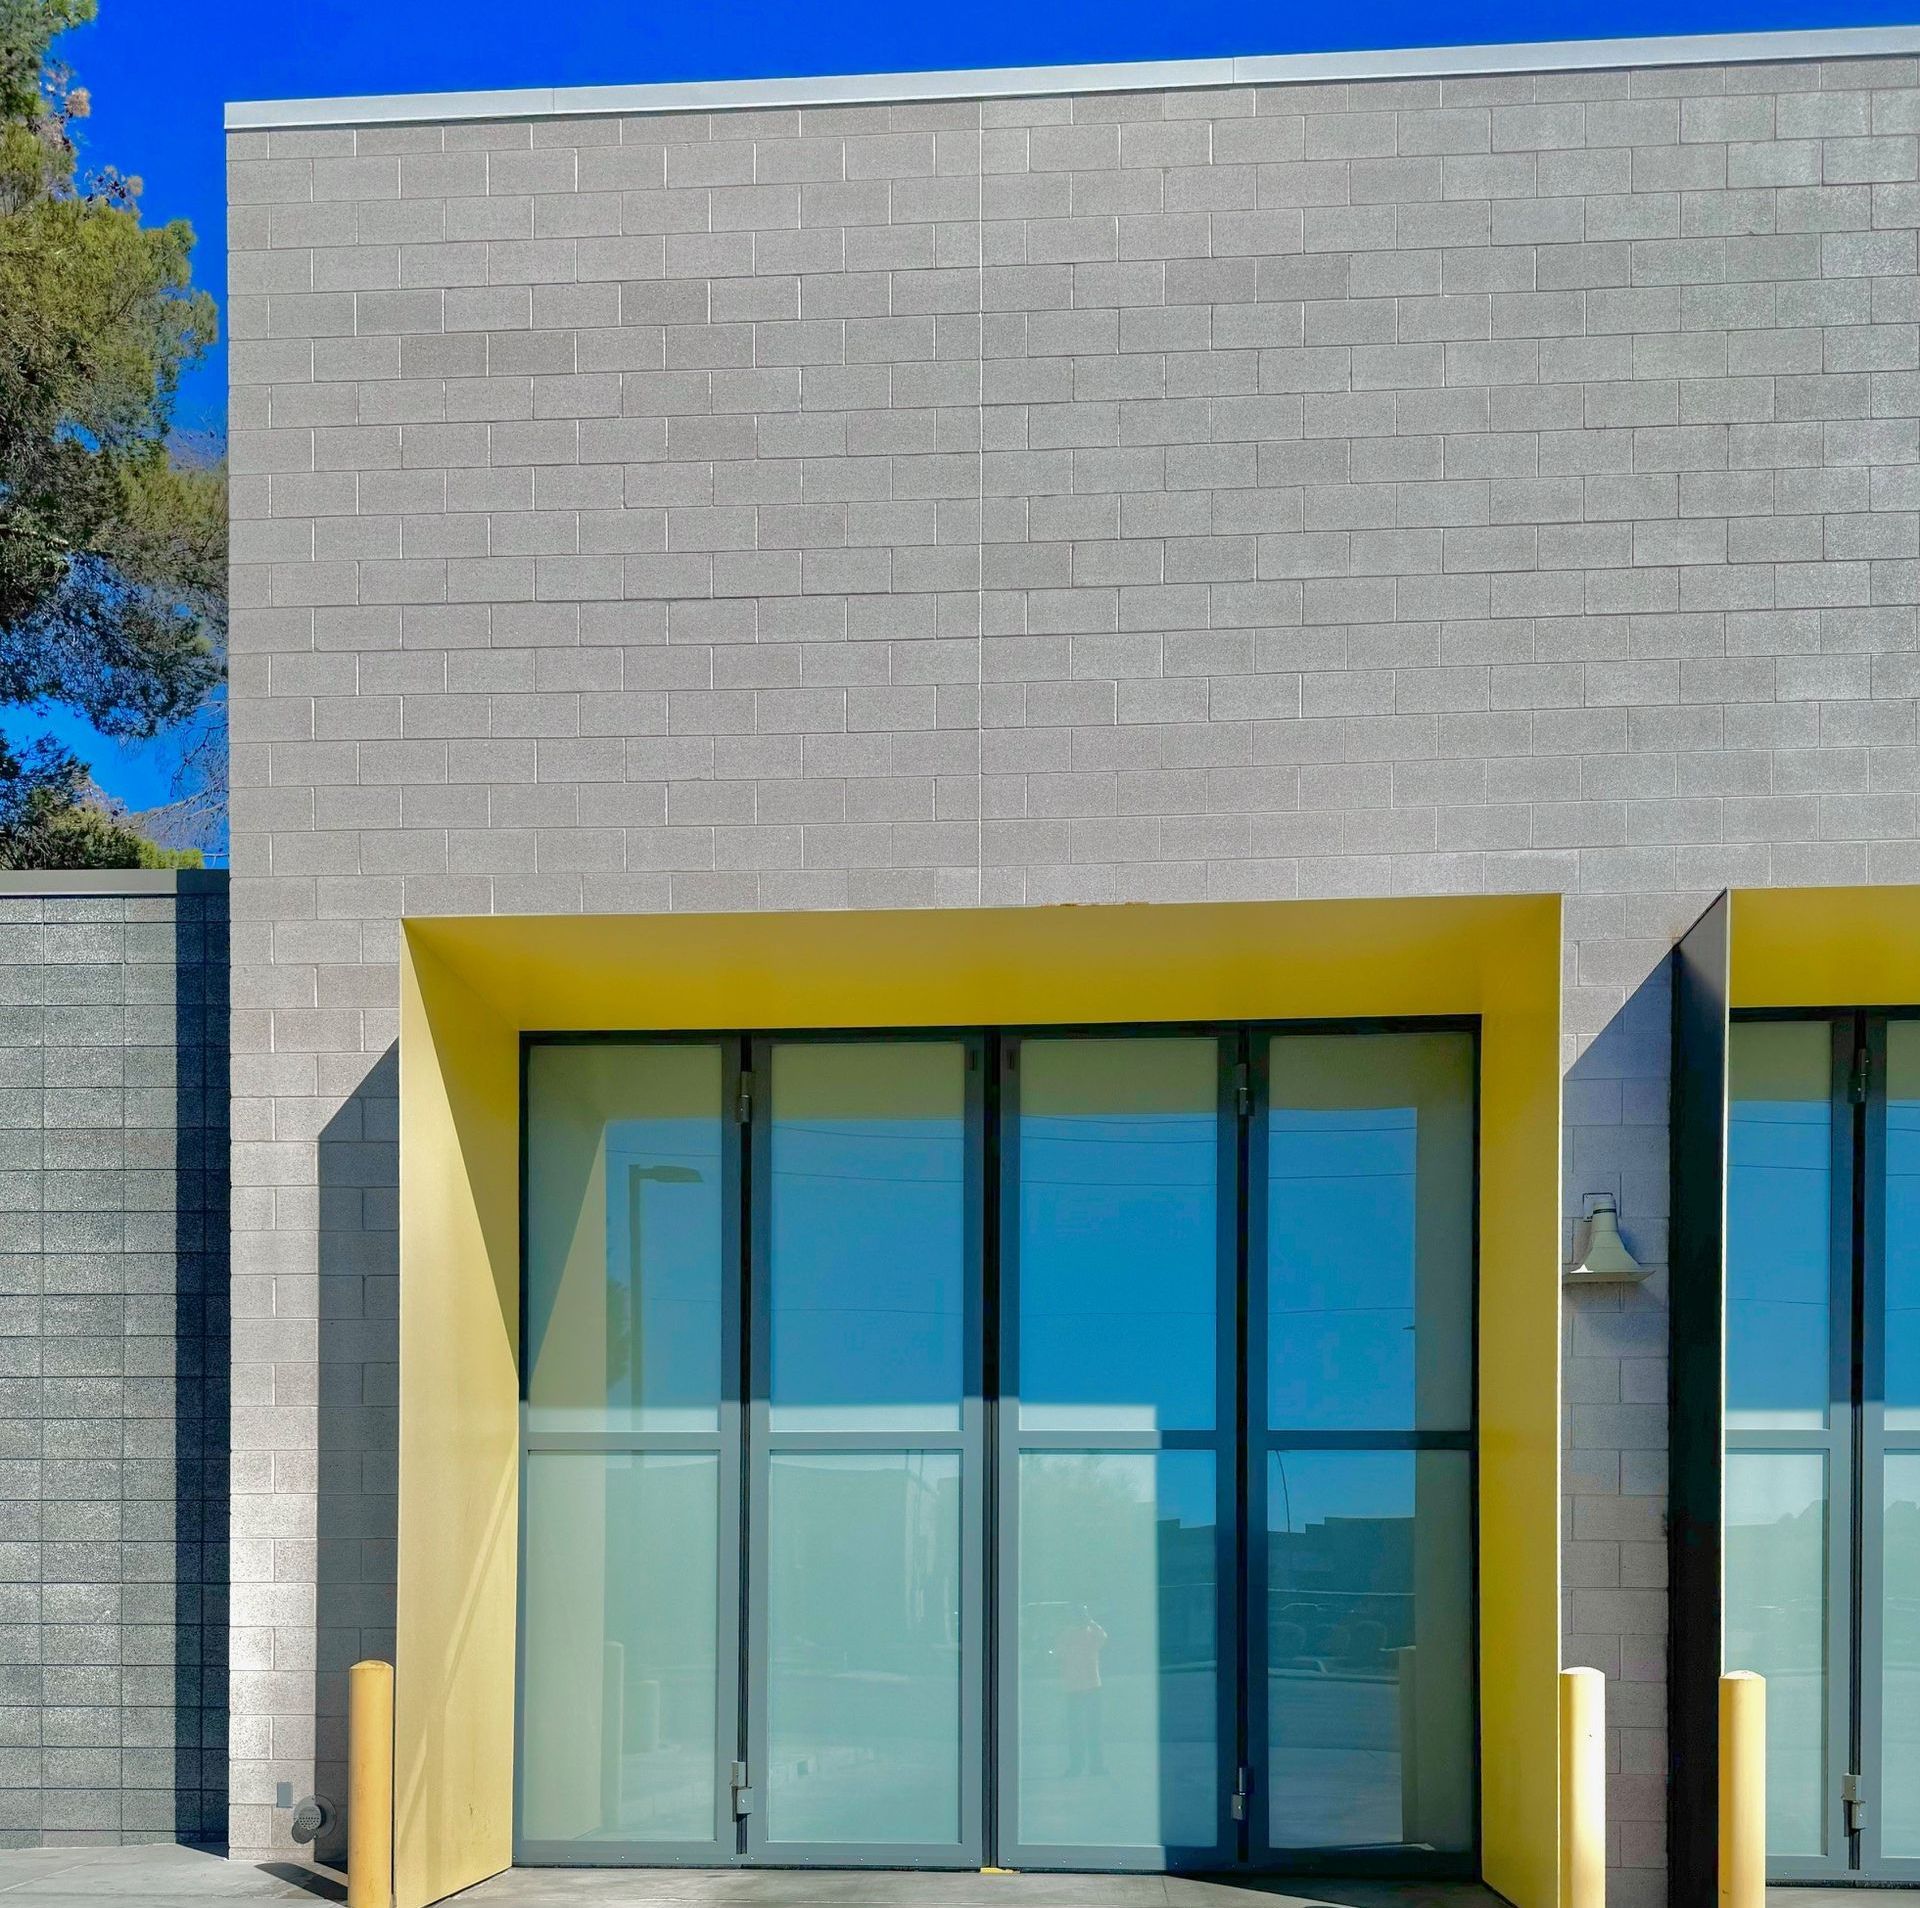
{"points": [[1076, 1652]]}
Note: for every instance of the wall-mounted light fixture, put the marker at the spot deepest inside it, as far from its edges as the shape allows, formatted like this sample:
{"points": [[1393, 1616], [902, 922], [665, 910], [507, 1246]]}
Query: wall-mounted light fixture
{"points": [[1606, 1260]]}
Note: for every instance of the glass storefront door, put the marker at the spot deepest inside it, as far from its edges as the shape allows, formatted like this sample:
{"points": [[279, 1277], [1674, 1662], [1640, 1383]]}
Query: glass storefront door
{"points": [[864, 1612], [1117, 1487], [1361, 1466], [630, 1484], [1052, 1449], [1822, 1486]]}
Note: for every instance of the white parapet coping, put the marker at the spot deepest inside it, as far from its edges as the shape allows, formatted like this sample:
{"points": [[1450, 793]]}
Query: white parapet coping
{"points": [[1014, 82]]}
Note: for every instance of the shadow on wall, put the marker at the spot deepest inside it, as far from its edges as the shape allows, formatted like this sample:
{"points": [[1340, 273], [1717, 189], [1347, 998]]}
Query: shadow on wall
{"points": [[202, 1376], [1615, 1117], [1614, 1620], [358, 1450]]}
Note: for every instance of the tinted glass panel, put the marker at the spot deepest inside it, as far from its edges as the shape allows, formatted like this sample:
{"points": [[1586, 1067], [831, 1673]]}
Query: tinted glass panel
{"points": [[1899, 1771], [1118, 1651], [1776, 1624], [621, 1624], [1370, 1232], [868, 1236], [1119, 1234], [624, 1238], [1779, 1223], [1903, 1227], [1370, 1648], [863, 1647]]}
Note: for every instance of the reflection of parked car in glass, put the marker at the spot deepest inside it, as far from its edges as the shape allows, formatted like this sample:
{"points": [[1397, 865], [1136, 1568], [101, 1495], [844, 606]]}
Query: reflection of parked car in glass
{"points": [[1343, 1636]]}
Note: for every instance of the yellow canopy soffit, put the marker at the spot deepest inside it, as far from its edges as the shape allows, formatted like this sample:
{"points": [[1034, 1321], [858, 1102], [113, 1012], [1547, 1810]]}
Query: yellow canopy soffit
{"points": [[1017, 966]]}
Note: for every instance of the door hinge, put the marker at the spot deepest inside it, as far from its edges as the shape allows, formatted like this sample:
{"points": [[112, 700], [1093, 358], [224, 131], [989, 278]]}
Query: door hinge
{"points": [[743, 1099], [1858, 1079], [1854, 1802], [1242, 1789], [1242, 1090], [742, 1790]]}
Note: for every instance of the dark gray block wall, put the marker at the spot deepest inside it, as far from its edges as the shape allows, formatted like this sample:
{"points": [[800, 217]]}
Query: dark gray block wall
{"points": [[114, 1392]]}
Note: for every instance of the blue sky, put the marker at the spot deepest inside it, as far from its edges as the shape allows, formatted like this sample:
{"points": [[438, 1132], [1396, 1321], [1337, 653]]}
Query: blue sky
{"points": [[160, 72]]}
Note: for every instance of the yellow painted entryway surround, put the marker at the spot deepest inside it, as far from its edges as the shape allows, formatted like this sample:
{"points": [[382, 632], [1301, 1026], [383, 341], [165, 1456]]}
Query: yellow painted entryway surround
{"points": [[471, 986], [1782, 950]]}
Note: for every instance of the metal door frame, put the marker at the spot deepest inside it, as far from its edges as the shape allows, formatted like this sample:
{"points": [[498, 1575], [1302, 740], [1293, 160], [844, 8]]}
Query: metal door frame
{"points": [[763, 1444], [1260, 1440], [725, 1443], [1222, 1442], [1876, 1443], [1833, 1443], [1854, 1444], [989, 1443]]}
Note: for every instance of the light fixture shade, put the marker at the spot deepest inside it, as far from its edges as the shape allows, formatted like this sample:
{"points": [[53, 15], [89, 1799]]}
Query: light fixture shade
{"points": [[1606, 1260]]}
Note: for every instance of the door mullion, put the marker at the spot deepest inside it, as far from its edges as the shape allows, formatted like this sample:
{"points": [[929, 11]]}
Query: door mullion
{"points": [[748, 1100], [1843, 1484], [792, 1459], [1254, 1546], [1868, 1762], [1236, 1806], [990, 1588], [729, 1589], [1003, 1662]]}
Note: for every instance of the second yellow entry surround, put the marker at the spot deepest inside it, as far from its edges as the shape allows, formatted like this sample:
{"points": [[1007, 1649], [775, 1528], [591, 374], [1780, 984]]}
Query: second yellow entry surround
{"points": [[471, 986]]}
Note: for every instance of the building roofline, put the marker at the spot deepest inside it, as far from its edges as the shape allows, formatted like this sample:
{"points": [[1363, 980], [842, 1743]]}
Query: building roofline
{"points": [[1014, 82]]}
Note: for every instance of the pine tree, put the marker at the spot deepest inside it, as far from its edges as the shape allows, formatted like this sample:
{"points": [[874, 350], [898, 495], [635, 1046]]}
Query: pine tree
{"points": [[112, 541]]}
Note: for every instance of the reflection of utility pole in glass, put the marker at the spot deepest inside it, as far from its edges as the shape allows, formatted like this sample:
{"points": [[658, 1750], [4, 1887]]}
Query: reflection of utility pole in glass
{"points": [[623, 1359]]}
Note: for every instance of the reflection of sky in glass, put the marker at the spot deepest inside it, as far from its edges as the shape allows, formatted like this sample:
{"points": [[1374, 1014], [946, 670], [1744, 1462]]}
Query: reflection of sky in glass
{"points": [[1341, 1266], [1903, 1229], [1778, 1267], [1118, 1248], [868, 1233], [1184, 1492], [1310, 1486]]}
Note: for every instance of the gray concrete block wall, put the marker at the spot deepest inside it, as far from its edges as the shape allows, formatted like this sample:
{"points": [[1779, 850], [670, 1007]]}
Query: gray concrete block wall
{"points": [[1453, 485], [113, 1359]]}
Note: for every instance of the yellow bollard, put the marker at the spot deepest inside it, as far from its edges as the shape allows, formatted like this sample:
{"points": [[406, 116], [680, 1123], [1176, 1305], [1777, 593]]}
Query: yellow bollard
{"points": [[1743, 1790], [370, 1786], [1583, 1789]]}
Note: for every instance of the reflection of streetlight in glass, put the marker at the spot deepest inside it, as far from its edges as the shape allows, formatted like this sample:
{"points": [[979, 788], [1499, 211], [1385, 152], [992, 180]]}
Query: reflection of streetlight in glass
{"points": [[638, 1178]]}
